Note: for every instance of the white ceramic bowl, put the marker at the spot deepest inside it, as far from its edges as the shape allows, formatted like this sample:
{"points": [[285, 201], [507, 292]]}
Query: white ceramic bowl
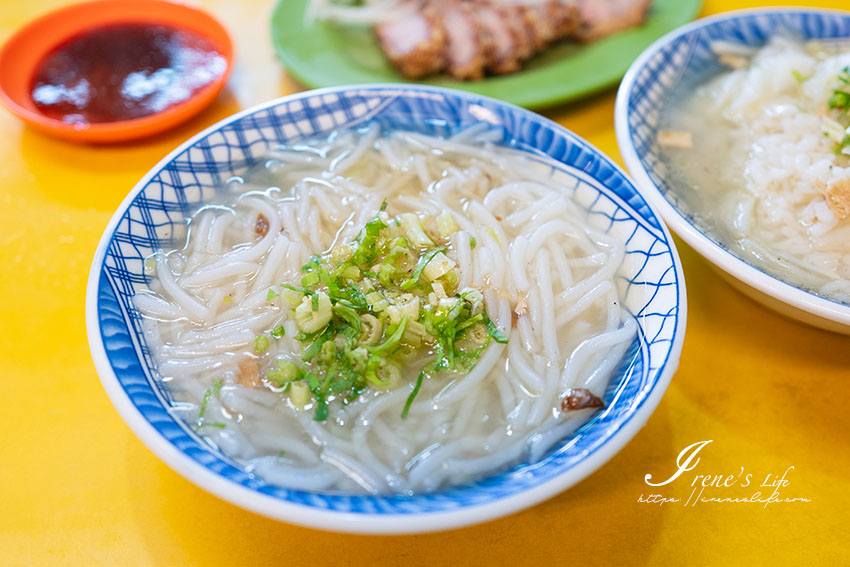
{"points": [[684, 55], [651, 283]]}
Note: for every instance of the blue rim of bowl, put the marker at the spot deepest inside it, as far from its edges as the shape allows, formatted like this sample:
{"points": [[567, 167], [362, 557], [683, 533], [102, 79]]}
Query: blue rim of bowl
{"points": [[836, 314], [362, 521]]}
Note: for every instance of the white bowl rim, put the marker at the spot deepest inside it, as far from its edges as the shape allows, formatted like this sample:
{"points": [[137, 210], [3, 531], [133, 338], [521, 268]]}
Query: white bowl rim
{"points": [[360, 523], [725, 260]]}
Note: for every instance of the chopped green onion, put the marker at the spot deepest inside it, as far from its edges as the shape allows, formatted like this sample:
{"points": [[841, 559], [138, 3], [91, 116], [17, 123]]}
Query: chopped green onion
{"points": [[374, 297], [311, 264], [412, 395], [271, 295], [408, 304], [327, 352], [310, 279], [321, 409], [420, 267], [303, 290], [261, 344], [341, 253], [312, 381], [370, 329], [497, 335], [446, 224], [314, 349], [413, 230], [839, 100], [211, 391], [313, 313], [356, 296], [393, 340], [285, 373], [367, 250], [325, 278], [799, 76], [439, 266], [415, 333], [471, 322], [350, 272], [278, 332], [364, 308], [348, 315], [300, 394]]}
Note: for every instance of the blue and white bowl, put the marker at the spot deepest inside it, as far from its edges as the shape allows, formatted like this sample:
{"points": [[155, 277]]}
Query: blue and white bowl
{"points": [[651, 284], [684, 56]]}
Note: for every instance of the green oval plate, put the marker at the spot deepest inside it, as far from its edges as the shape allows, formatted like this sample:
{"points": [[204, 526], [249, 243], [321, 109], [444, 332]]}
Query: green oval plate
{"points": [[322, 54]]}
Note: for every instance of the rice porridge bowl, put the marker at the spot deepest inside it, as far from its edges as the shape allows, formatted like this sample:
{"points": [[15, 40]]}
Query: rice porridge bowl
{"points": [[760, 155]]}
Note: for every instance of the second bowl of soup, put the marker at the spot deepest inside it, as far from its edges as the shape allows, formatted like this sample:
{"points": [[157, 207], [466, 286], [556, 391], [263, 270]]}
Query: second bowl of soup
{"points": [[738, 128]]}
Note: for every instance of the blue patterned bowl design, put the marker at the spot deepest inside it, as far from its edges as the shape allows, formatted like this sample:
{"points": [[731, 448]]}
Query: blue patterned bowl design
{"points": [[651, 284], [684, 57]]}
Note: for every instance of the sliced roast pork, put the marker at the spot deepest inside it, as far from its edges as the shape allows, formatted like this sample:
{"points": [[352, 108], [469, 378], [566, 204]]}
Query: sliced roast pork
{"points": [[498, 40], [600, 18], [466, 38], [465, 57], [415, 42], [550, 20]]}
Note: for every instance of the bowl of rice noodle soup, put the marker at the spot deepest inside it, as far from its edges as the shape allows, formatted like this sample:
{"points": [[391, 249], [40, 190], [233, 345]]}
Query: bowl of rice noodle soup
{"points": [[737, 127], [385, 309]]}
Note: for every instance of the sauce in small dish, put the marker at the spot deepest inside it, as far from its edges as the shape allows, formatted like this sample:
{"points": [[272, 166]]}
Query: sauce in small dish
{"points": [[106, 71], [122, 72]]}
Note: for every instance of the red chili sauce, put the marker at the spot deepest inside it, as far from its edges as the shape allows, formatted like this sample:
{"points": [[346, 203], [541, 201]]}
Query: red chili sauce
{"points": [[123, 71]]}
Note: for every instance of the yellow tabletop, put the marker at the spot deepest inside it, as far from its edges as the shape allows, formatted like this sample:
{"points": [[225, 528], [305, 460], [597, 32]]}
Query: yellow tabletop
{"points": [[77, 488]]}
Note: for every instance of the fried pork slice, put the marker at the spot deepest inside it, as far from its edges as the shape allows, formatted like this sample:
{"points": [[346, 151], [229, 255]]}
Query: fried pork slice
{"points": [[523, 41], [464, 53], [550, 20], [415, 43], [600, 18], [567, 17], [498, 41], [512, 33]]}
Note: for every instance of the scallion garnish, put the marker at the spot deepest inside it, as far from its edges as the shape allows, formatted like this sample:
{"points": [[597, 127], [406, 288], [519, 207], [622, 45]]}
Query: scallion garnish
{"points": [[261, 344], [210, 392], [800, 78], [420, 267], [366, 308], [497, 335], [840, 98], [413, 394]]}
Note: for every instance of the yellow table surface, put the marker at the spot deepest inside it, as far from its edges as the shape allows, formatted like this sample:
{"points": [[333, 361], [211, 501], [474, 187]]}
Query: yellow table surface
{"points": [[77, 488]]}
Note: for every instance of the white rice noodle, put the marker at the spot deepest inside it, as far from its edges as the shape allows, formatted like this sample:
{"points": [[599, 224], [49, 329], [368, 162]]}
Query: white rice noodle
{"points": [[546, 274]]}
